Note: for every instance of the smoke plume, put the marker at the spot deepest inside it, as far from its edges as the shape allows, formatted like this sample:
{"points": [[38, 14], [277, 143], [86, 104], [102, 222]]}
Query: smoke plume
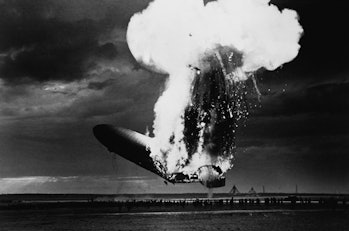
{"points": [[208, 52]]}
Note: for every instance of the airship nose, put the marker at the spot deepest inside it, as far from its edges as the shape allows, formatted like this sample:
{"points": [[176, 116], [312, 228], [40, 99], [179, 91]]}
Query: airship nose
{"points": [[100, 128], [103, 133]]}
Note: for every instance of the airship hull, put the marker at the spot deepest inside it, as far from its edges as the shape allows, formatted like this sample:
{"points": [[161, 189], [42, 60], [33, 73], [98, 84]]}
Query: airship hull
{"points": [[127, 144], [134, 147]]}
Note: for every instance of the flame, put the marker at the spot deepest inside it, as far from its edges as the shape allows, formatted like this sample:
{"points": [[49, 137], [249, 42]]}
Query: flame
{"points": [[207, 49]]}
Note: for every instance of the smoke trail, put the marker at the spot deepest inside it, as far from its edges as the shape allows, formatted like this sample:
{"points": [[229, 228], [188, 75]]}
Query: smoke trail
{"points": [[208, 51], [210, 193]]}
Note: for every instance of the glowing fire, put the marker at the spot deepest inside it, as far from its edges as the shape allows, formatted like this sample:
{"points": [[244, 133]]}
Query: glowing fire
{"points": [[208, 51]]}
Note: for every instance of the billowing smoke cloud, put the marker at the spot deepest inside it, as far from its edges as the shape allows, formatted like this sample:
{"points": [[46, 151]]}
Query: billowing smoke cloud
{"points": [[170, 34], [189, 40]]}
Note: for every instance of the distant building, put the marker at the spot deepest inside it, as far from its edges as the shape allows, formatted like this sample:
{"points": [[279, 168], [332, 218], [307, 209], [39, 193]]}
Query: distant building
{"points": [[234, 190], [252, 192]]}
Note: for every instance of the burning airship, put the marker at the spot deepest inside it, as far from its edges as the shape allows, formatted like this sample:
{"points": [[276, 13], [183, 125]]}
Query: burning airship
{"points": [[208, 50], [133, 146], [210, 121]]}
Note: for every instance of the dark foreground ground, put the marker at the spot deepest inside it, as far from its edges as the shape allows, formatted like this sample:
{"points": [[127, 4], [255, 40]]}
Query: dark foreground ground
{"points": [[269, 220], [171, 212]]}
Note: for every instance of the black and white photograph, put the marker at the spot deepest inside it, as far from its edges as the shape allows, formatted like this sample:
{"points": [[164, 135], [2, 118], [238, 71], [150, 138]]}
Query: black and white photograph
{"points": [[174, 115]]}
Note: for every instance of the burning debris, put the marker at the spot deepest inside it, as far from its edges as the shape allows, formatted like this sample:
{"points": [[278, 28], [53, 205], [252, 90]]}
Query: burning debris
{"points": [[209, 50], [217, 104]]}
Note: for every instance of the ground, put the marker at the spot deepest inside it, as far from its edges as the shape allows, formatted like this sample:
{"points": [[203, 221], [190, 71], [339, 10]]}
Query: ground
{"points": [[286, 220]]}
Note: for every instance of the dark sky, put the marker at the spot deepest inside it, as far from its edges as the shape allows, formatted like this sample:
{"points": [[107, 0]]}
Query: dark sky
{"points": [[65, 67]]}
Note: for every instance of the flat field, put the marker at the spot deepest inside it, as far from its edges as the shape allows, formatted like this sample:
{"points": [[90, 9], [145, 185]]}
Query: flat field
{"points": [[250, 220]]}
